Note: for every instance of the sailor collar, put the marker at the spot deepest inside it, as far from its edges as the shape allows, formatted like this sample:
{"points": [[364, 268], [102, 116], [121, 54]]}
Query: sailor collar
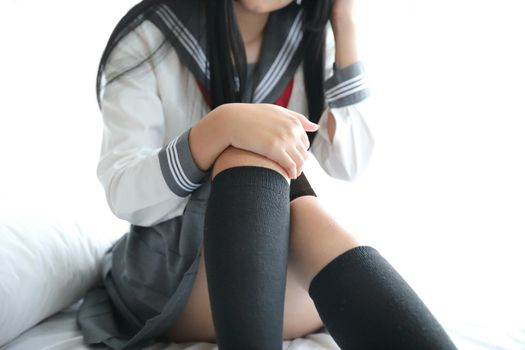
{"points": [[182, 22]]}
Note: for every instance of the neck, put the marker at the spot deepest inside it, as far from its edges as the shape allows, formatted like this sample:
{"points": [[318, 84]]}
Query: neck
{"points": [[251, 25]]}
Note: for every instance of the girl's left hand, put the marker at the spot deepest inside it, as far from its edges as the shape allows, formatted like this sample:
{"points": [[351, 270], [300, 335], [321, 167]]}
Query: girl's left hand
{"points": [[342, 10]]}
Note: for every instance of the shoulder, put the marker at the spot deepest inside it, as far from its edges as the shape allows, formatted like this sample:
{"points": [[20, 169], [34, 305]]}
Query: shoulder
{"points": [[143, 42]]}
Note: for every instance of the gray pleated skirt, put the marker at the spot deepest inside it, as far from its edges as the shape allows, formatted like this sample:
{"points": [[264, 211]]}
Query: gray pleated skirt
{"points": [[148, 276], [147, 279]]}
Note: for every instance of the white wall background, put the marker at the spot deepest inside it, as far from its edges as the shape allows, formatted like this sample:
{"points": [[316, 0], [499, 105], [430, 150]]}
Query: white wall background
{"points": [[443, 197]]}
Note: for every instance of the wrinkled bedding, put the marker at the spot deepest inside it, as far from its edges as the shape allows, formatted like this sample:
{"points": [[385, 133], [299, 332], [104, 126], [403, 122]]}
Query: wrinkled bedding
{"points": [[60, 332]]}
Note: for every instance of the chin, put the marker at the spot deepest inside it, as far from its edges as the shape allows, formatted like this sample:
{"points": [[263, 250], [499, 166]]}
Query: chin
{"points": [[263, 6]]}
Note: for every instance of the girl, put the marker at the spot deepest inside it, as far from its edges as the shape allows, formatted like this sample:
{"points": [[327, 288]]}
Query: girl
{"points": [[205, 138]]}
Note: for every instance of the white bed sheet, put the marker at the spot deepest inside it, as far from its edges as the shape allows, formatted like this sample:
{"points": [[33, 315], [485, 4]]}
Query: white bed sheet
{"points": [[60, 332]]}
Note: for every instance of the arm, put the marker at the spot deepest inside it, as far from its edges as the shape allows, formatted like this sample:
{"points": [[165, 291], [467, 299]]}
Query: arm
{"points": [[266, 129], [146, 178], [344, 143], [345, 51], [344, 33], [208, 138]]}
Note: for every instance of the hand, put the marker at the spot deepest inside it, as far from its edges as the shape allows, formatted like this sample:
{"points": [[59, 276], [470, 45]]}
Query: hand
{"points": [[271, 131]]}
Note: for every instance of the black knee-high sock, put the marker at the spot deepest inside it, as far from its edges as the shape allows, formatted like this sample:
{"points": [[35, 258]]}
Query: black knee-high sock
{"points": [[246, 237], [365, 304]]}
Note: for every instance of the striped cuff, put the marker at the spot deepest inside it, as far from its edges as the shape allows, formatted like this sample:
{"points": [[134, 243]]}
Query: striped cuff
{"points": [[178, 167], [347, 86]]}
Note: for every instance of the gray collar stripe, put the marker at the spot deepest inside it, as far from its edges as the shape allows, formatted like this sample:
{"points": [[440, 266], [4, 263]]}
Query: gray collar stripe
{"points": [[184, 36], [279, 67], [281, 70], [189, 36], [184, 26], [285, 55], [182, 40], [289, 40]]}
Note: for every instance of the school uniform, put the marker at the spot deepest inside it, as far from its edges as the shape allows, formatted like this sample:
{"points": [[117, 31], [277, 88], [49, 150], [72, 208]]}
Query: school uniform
{"points": [[151, 179]]}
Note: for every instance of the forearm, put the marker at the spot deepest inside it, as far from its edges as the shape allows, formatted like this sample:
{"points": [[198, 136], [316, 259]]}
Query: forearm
{"points": [[208, 138], [345, 40], [345, 52], [344, 143]]}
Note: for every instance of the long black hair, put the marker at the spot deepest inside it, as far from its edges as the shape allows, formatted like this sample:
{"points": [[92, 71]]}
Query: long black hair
{"points": [[225, 51]]}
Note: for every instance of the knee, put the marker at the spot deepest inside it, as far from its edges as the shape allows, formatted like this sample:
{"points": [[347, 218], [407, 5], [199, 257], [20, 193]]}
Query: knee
{"points": [[233, 157]]}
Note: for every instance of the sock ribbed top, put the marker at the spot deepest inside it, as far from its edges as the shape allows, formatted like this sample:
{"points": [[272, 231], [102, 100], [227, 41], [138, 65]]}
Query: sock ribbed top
{"points": [[248, 175]]}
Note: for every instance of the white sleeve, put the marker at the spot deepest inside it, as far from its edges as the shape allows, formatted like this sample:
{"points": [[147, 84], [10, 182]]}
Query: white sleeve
{"points": [[145, 181], [348, 155]]}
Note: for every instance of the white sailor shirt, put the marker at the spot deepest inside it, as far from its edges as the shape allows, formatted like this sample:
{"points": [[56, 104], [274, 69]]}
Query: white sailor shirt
{"points": [[146, 166]]}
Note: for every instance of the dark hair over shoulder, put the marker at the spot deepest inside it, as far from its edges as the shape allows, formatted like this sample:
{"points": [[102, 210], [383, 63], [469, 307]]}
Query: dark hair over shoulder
{"points": [[225, 51]]}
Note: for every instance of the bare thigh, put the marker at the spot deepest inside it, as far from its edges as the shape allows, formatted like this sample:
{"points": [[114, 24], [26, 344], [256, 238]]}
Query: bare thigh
{"points": [[315, 239], [196, 324]]}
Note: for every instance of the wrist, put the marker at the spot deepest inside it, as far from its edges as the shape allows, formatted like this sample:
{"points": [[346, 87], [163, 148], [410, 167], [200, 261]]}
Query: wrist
{"points": [[208, 138], [223, 123]]}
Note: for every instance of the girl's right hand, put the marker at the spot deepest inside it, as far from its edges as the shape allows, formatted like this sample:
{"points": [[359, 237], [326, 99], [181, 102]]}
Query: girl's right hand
{"points": [[270, 130]]}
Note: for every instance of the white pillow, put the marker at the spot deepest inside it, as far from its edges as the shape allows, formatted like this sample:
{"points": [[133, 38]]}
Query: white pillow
{"points": [[45, 265]]}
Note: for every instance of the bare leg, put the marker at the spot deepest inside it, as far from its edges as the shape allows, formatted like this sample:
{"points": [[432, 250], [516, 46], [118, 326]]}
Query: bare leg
{"points": [[195, 322], [315, 238]]}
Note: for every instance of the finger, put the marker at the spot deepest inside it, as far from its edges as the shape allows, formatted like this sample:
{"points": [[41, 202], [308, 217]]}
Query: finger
{"points": [[297, 158], [304, 154], [303, 151], [307, 124], [305, 140], [294, 113], [287, 163]]}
